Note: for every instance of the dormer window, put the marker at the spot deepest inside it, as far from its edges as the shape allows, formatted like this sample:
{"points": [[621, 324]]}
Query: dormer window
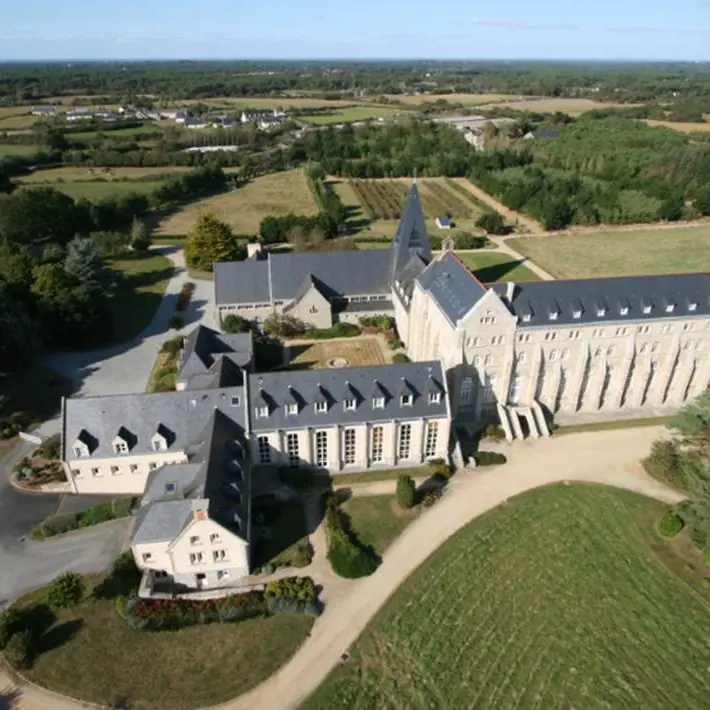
{"points": [[378, 403], [321, 407], [406, 400], [554, 315], [159, 444], [692, 306], [80, 451], [291, 410], [120, 447], [601, 312], [624, 311], [670, 307], [350, 405], [434, 397], [262, 412], [576, 314], [647, 309], [526, 317]]}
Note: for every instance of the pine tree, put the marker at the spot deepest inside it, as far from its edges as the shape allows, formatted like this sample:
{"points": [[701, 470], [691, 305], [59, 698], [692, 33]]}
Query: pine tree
{"points": [[209, 242], [84, 263]]}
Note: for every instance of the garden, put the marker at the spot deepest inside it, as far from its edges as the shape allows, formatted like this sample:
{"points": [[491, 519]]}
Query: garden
{"points": [[43, 466]]}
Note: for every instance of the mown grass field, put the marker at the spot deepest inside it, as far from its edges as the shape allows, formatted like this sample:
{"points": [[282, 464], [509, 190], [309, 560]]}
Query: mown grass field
{"points": [[80, 173], [353, 113], [378, 520], [98, 190], [467, 99], [17, 120], [140, 291], [147, 128], [7, 149], [620, 253], [357, 351], [490, 266], [275, 194], [550, 105], [144, 670], [566, 597]]}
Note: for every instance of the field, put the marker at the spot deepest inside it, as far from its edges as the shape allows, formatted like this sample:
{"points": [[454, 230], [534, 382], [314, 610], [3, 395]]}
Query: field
{"points": [[565, 597], [140, 291], [275, 194], [621, 253], [679, 126], [550, 105], [467, 99], [145, 670], [357, 351], [17, 149], [352, 113], [17, 121], [377, 520], [82, 174], [490, 266], [148, 128], [98, 190]]}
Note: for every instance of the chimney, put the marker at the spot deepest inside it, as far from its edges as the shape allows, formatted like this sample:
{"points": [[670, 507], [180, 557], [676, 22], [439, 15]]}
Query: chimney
{"points": [[509, 291], [253, 248]]}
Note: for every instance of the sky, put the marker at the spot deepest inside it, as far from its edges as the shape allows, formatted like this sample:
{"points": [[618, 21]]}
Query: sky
{"points": [[367, 29]]}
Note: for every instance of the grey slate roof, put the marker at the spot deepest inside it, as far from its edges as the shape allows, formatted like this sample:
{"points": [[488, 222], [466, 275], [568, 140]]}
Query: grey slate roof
{"points": [[203, 347], [339, 273], [182, 476], [602, 300], [333, 386], [452, 286], [411, 236], [183, 414], [408, 274], [162, 521]]}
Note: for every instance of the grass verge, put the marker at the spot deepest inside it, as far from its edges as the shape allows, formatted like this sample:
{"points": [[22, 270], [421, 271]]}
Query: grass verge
{"points": [[610, 426]]}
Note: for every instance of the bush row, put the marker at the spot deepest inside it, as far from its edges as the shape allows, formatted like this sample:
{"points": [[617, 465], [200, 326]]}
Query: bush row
{"points": [[64, 522], [339, 330], [489, 458]]}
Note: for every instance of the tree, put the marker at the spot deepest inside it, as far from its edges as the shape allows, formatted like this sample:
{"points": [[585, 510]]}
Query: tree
{"points": [[284, 326], [492, 223], [18, 342], [65, 591], [211, 241], [236, 324], [84, 263], [702, 200], [556, 214], [406, 491], [140, 235], [671, 209]]}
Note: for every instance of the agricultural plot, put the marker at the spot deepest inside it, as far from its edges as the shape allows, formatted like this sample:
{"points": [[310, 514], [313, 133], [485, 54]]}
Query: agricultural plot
{"points": [[681, 127], [17, 149], [574, 107], [81, 173], [353, 113], [94, 191], [17, 121], [565, 597]]}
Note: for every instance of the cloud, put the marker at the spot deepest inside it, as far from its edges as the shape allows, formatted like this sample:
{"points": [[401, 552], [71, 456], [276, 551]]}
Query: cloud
{"points": [[517, 25]]}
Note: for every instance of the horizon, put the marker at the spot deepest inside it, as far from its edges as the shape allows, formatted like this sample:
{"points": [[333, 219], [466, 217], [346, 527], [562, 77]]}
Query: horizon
{"points": [[99, 30]]}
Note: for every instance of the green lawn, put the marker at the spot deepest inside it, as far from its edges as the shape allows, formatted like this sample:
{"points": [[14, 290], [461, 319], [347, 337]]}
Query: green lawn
{"points": [[490, 266], [147, 128], [643, 251], [378, 520], [154, 670], [566, 597], [144, 278], [7, 149], [98, 190], [354, 113]]}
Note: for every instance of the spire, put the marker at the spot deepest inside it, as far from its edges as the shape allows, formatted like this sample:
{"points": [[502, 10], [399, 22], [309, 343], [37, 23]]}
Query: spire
{"points": [[411, 236]]}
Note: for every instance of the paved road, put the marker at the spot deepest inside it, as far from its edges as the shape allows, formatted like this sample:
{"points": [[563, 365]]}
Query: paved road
{"points": [[125, 368]]}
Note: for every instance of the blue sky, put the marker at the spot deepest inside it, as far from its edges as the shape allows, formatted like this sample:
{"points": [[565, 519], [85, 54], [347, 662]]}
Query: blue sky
{"points": [[509, 29]]}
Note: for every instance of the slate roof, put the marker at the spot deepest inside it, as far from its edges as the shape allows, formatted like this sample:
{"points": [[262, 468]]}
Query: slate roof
{"points": [[183, 414], [408, 274], [162, 521], [602, 300], [339, 273], [203, 346], [452, 286], [182, 476], [333, 386], [411, 236]]}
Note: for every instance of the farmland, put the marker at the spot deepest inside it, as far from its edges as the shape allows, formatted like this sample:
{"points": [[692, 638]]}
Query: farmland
{"points": [[243, 209], [16, 149], [565, 597], [682, 127], [353, 113], [17, 121], [620, 253], [466, 99], [551, 105], [100, 189], [82, 173]]}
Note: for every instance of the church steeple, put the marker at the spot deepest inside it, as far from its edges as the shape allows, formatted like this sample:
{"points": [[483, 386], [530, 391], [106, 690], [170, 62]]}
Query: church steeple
{"points": [[411, 236]]}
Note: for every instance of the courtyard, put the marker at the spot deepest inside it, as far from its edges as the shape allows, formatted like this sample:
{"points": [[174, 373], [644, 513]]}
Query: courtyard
{"points": [[343, 352]]}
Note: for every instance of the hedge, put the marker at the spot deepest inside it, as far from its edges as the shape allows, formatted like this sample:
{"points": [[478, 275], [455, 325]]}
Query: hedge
{"points": [[339, 330], [489, 458], [101, 513], [347, 558]]}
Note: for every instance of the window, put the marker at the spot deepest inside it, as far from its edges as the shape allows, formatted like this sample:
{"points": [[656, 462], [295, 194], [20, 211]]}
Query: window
{"points": [[647, 309], [643, 329], [377, 444], [262, 412], [147, 556], [644, 348], [622, 331], [120, 447], [406, 400], [222, 574], [405, 441], [293, 450], [624, 311], [598, 333], [196, 558], [170, 487], [313, 310], [554, 355], [78, 451], [524, 338], [550, 335], [522, 358], [598, 352], [692, 306], [489, 389], [553, 315], [350, 405], [688, 326], [666, 328], [133, 468], [264, 449], [601, 312], [670, 307], [434, 397], [291, 410], [473, 342], [488, 320], [477, 361], [214, 537], [219, 555], [234, 401], [526, 317], [432, 434], [159, 444], [115, 470], [611, 350], [497, 340], [349, 447], [96, 472], [152, 466], [378, 403], [195, 540], [574, 334], [565, 354], [321, 448], [321, 407], [576, 314]]}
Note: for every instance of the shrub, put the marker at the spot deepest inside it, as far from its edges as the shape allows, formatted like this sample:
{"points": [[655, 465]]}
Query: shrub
{"points": [[55, 525], [431, 497], [303, 555], [50, 448], [65, 591], [236, 324], [489, 458], [172, 346], [350, 561], [284, 326], [9, 624], [176, 322], [466, 240], [670, 524], [664, 463], [299, 588], [493, 223], [405, 491], [185, 295], [395, 344], [100, 513], [381, 322], [122, 507], [400, 358], [19, 650], [339, 330], [494, 432]]}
